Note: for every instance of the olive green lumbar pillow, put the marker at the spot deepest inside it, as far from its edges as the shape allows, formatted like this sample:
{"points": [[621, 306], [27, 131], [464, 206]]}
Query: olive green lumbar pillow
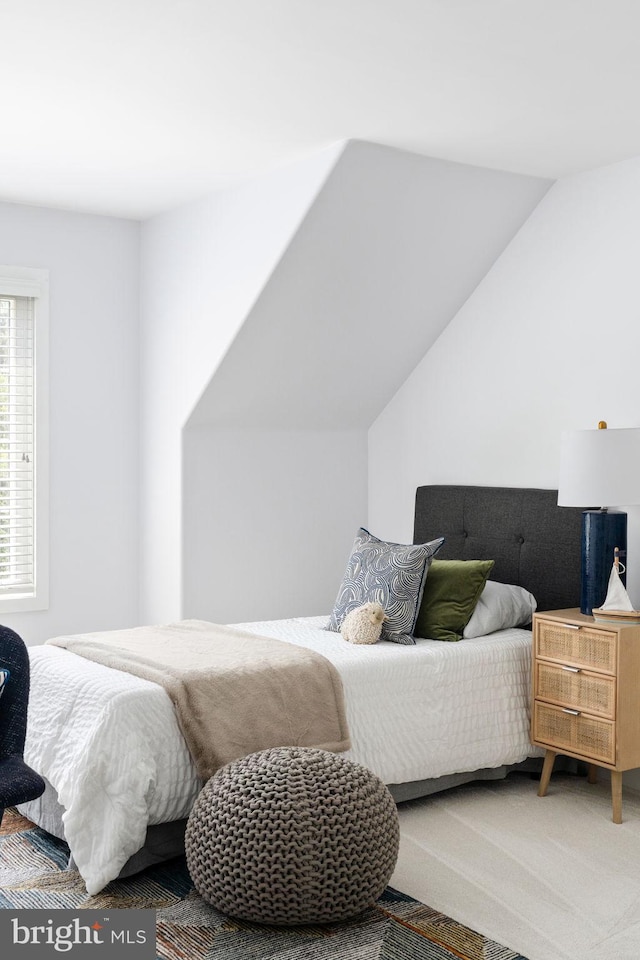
{"points": [[451, 592]]}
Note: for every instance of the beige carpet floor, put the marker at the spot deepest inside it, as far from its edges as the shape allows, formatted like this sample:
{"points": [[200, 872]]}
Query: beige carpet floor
{"points": [[551, 877]]}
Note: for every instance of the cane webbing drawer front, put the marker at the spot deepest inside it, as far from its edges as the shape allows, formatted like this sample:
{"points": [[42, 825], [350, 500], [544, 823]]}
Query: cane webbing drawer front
{"points": [[587, 736], [586, 683], [581, 646], [587, 692]]}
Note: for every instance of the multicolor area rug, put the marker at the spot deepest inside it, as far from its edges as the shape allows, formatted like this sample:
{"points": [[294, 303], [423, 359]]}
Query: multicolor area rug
{"points": [[33, 875]]}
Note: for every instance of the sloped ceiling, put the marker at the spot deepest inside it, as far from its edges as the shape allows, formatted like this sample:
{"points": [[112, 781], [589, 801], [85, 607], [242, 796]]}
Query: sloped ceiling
{"points": [[134, 107], [392, 247]]}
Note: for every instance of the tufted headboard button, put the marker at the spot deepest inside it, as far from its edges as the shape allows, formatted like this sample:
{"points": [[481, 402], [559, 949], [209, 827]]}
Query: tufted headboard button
{"points": [[520, 539]]}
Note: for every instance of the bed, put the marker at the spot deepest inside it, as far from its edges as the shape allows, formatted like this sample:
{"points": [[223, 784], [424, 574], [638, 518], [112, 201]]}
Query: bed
{"points": [[121, 781]]}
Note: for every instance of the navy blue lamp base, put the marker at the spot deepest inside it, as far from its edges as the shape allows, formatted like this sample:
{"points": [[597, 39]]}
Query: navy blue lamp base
{"points": [[602, 531]]}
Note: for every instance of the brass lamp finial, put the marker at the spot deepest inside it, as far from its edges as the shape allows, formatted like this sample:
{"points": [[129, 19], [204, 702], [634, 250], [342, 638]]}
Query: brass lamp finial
{"points": [[602, 425]]}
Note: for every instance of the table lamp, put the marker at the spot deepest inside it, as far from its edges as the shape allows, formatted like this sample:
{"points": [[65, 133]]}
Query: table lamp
{"points": [[599, 467]]}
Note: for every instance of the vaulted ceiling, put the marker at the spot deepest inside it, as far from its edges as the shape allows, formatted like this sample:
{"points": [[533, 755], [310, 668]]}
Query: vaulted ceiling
{"points": [[130, 107], [386, 255]]}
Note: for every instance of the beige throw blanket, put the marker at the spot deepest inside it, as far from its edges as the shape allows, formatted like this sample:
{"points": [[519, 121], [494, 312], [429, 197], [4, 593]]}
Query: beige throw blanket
{"points": [[234, 693]]}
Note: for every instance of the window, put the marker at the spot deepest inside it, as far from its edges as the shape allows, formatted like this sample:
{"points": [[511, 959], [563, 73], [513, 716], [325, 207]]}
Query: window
{"points": [[23, 439]]}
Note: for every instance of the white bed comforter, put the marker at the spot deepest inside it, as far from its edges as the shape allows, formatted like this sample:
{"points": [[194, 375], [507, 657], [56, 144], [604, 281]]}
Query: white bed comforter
{"points": [[110, 745]]}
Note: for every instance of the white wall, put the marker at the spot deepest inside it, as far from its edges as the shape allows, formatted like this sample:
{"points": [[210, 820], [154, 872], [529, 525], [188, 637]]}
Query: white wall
{"points": [[202, 267], [93, 309], [269, 519], [116, 479], [548, 341], [392, 245]]}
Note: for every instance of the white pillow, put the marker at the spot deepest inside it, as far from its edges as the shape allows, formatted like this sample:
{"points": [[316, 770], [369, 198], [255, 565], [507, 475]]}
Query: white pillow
{"points": [[501, 606]]}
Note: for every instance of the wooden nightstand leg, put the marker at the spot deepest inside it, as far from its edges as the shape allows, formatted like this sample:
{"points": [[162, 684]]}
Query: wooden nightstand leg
{"points": [[616, 795], [547, 767], [592, 773]]}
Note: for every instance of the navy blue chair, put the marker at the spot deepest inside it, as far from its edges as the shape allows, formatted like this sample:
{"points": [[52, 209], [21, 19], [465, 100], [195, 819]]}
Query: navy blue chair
{"points": [[18, 782]]}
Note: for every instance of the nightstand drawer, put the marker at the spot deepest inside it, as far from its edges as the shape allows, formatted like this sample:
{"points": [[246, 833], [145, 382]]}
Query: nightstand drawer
{"points": [[579, 646], [586, 736], [588, 692]]}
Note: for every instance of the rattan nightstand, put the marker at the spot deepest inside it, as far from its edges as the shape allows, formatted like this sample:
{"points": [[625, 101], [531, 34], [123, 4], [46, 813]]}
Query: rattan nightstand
{"points": [[586, 689]]}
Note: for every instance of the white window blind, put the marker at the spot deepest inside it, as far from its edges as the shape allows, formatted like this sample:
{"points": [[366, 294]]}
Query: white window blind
{"points": [[17, 446], [24, 439]]}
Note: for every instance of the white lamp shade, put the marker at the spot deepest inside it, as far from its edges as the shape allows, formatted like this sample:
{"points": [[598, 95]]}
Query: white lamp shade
{"points": [[599, 468]]}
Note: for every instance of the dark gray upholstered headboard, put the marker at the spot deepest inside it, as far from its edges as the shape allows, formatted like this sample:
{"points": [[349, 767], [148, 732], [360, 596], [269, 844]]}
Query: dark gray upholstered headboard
{"points": [[534, 542]]}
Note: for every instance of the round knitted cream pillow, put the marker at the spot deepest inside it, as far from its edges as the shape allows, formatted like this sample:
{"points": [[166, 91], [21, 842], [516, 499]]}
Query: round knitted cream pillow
{"points": [[292, 835]]}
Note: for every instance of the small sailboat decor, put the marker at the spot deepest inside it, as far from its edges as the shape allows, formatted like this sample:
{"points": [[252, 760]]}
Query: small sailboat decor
{"points": [[617, 606]]}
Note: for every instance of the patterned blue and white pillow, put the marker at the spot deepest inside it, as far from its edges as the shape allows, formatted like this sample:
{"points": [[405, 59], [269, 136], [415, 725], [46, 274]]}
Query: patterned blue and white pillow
{"points": [[393, 574], [4, 677]]}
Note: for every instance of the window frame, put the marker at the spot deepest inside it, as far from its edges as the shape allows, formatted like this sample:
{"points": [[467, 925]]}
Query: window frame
{"points": [[34, 282]]}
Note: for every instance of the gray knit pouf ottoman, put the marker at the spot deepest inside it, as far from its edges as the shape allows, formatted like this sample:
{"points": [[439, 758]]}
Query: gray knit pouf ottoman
{"points": [[291, 836]]}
